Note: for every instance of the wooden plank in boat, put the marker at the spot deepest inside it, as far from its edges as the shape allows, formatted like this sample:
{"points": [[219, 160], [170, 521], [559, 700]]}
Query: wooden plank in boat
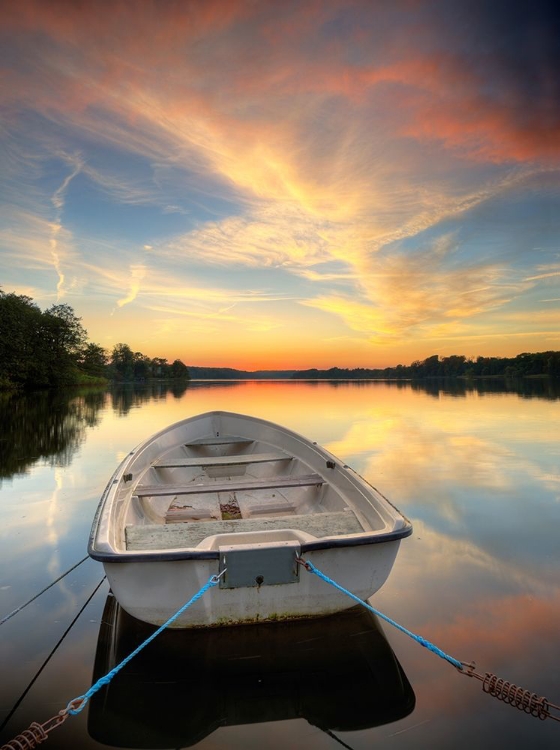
{"points": [[187, 535], [251, 458], [238, 485], [225, 440], [269, 507], [180, 515]]}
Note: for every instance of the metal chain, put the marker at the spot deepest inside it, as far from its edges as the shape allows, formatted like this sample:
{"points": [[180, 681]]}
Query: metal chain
{"points": [[36, 733], [512, 695]]}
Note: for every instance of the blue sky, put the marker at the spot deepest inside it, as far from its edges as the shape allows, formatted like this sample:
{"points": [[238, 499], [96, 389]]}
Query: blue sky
{"points": [[286, 184]]}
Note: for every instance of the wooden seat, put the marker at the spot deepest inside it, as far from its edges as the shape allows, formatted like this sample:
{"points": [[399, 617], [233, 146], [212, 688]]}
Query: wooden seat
{"points": [[188, 535], [237, 485], [225, 440], [204, 461]]}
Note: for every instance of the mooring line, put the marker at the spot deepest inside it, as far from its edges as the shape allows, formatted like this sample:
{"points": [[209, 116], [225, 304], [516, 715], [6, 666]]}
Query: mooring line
{"points": [[333, 736], [18, 609], [37, 733], [49, 657], [77, 704], [500, 689], [510, 694], [418, 638]]}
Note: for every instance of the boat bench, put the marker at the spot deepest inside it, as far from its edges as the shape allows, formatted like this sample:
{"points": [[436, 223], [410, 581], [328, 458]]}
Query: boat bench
{"points": [[237, 485], [204, 461], [224, 440], [187, 535]]}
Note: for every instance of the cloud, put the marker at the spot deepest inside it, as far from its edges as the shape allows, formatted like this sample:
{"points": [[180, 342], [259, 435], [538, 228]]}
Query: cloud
{"points": [[37, 243], [57, 200], [268, 237], [124, 190], [547, 275], [137, 274], [403, 293]]}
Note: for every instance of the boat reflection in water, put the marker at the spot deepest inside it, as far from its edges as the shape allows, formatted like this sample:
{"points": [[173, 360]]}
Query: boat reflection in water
{"points": [[337, 672]]}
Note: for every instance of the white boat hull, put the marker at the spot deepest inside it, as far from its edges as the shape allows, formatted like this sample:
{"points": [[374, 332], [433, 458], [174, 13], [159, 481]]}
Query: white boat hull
{"points": [[153, 592]]}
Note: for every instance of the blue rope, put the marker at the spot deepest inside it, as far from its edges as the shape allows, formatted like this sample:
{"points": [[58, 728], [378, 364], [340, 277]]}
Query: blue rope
{"points": [[76, 705], [422, 641]]}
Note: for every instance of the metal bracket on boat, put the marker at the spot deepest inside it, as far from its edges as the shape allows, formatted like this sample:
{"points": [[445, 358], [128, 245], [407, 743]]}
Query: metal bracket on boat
{"points": [[255, 565]]}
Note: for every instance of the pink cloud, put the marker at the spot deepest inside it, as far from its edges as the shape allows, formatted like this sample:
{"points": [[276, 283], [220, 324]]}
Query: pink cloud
{"points": [[230, 57]]}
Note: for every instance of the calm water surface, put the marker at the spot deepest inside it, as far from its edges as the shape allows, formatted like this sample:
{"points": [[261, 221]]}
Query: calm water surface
{"points": [[476, 470]]}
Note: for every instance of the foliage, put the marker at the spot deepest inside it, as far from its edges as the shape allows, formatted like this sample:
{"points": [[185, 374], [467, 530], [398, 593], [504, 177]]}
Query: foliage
{"points": [[127, 366], [51, 349], [20, 321], [93, 360], [524, 365]]}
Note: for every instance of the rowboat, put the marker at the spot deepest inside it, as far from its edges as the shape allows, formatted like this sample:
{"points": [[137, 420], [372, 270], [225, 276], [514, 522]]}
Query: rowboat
{"points": [[244, 499], [337, 673]]}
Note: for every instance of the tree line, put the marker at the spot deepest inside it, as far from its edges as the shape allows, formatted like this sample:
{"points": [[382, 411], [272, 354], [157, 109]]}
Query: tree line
{"points": [[523, 365], [50, 348]]}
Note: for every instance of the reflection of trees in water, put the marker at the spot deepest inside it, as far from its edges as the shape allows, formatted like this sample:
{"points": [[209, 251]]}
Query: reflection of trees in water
{"points": [[51, 425], [545, 388], [130, 395], [48, 426]]}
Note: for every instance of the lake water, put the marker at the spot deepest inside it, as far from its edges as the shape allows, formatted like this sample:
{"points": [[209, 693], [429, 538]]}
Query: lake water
{"points": [[476, 468]]}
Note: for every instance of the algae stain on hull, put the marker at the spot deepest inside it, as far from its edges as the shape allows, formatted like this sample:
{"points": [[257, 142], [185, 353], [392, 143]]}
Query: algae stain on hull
{"points": [[230, 622]]}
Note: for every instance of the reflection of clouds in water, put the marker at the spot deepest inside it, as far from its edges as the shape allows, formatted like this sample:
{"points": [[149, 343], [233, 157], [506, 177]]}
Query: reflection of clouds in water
{"points": [[473, 605], [41, 525], [509, 637], [424, 464], [51, 519], [493, 629], [56, 530], [423, 457], [31, 520], [467, 479], [496, 627], [423, 454], [453, 570]]}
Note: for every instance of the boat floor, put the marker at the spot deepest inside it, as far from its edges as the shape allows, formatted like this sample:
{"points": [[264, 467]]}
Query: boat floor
{"points": [[188, 535]]}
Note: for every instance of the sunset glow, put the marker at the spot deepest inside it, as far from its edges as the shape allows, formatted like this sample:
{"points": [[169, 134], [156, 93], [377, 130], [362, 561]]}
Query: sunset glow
{"points": [[286, 185]]}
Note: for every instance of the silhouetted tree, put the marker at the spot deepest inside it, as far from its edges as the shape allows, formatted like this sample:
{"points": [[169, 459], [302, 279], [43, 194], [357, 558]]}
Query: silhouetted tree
{"points": [[122, 362], [93, 360]]}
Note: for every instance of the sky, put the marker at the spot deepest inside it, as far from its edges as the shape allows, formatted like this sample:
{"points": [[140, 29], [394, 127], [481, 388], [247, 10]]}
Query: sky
{"points": [[285, 185]]}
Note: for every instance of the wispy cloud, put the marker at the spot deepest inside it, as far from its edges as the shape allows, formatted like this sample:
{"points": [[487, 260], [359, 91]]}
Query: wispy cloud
{"points": [[58, 196], [546, 275], [137, 273], [57, 200]]}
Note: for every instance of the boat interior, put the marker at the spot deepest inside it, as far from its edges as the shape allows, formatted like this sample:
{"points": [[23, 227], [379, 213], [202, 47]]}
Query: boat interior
{"points": [[230, 485]]}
